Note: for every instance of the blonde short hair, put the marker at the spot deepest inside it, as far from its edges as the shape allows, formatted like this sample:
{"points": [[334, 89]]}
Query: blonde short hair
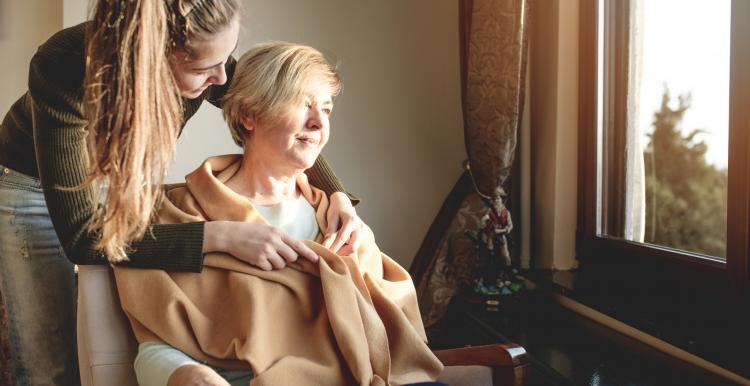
{"points": [[269, 78]]}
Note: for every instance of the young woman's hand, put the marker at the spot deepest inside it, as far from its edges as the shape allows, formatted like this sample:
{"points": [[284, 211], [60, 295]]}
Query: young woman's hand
{"points": [[196, 375], [344, 226], [264, 246]]}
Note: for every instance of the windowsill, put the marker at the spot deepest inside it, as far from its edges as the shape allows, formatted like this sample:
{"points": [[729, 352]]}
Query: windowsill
{"points": [[566, 348], [562, 282], [718, 347]]}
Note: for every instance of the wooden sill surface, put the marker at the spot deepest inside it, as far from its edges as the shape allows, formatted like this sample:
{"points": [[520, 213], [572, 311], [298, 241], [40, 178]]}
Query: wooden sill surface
{"points": [[568, 349]]}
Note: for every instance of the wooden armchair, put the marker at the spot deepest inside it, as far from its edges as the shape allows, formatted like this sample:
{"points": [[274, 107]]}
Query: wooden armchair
{"points": [[105, 355]]}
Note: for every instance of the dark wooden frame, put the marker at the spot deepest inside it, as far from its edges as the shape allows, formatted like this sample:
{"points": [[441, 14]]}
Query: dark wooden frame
{"points": [[589, 242], [738, 218], [610, 264]]}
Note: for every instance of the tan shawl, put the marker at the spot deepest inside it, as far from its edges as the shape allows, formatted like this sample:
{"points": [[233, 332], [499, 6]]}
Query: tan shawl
{"points": [[343, 321]]}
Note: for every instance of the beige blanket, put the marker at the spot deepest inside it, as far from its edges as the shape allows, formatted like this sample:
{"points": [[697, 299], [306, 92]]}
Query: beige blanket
{"points": [[343, 321]]}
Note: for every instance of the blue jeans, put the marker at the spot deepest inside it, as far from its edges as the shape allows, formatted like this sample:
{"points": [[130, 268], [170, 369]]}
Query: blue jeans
{"points": [[37, 283]]}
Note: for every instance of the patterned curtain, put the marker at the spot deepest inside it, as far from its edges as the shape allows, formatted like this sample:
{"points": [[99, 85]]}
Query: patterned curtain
{"points": [[493, 61]]}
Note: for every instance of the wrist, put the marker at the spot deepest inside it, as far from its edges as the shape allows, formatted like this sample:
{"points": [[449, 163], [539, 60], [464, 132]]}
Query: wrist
{"points": [[339, 196], [214, 236]]}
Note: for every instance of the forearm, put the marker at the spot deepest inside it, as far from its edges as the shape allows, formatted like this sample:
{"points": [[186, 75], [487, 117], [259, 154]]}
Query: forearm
{"points": [[62, 162], [171, 247], [175, 247]]}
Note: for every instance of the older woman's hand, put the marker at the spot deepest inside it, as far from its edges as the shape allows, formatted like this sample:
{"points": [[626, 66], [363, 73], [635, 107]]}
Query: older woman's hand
{"points": [[344, 226]]}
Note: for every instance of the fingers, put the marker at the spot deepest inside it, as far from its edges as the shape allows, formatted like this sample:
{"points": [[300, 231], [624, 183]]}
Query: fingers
{"points": [[342, 222], [263, 263], [300, 247], [351, 245], [281, 249], [272, 253], [276, 261], [267, 247], [345, 250], [347, 228], [355, 239], [339, 241], [286, 252], [333, 222], [328, 240], [270, 261]]}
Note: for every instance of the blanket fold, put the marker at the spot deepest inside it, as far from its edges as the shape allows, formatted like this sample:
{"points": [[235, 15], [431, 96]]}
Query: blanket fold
{"points": [[346, 320]]}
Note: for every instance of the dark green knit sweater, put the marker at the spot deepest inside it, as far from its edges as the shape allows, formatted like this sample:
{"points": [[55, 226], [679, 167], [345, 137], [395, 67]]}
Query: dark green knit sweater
{"points": [[43, 136]]}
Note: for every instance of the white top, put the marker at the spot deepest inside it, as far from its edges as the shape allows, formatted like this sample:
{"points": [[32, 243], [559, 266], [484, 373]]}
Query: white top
{"points": [[297, 218]]}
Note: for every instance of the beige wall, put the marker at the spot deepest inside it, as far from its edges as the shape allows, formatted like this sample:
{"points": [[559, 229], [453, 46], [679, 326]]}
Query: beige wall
{"points": [[75, 11], [397, 139], [24, 25]]}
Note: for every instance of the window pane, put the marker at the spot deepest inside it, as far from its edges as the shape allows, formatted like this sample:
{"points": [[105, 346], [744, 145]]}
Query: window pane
{"points": [[666, 127]]}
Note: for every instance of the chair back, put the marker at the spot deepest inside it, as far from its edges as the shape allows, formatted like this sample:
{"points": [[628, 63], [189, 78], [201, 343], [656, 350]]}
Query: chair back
{"points": [[106, 345]]}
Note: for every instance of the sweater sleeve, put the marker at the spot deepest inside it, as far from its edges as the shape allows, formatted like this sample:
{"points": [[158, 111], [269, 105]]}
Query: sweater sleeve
{"points": [[322, 176], [59, 130]]}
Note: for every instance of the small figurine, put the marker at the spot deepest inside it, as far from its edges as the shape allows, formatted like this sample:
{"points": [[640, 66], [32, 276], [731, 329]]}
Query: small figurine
{"points": [[496, 277]]}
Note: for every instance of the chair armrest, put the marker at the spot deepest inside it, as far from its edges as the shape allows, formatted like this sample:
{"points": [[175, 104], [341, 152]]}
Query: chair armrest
{"points": [[509, 362], [493, 355]]}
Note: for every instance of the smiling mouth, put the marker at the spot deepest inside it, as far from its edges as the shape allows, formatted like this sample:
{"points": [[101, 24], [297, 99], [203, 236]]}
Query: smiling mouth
{"points": [[308, 141]]}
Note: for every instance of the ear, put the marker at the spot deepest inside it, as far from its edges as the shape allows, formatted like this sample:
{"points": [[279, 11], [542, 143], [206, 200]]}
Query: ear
{"points": [[248, 122]]}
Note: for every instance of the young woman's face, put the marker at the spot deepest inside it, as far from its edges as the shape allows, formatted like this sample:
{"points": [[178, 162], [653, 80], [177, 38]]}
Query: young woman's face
{"points": [[195, 73], [295, 140]]}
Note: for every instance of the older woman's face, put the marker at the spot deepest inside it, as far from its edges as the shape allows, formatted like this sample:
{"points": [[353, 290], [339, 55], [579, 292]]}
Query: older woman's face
{"points": [[296, 139]]}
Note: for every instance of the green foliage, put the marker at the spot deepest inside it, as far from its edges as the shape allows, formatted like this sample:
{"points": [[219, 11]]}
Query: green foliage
{"points": [[686, 197]]}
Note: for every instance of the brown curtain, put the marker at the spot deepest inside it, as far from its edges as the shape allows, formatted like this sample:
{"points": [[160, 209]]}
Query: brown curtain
{"points": [[493, 61]]}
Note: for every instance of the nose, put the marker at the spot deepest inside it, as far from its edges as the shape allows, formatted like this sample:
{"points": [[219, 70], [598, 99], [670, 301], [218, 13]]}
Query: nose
{"points": [[315, 118], [220, 77]]}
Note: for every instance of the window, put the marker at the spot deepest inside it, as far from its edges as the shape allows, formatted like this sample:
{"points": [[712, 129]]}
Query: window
{"points": [[666, 118], [664, 161], [663, 232]]}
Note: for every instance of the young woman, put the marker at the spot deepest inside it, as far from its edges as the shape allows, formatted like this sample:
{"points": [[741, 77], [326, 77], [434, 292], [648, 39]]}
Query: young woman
{"points": [[82, 154]]}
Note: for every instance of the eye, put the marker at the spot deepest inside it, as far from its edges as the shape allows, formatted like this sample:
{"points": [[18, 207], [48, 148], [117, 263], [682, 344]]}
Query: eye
{"points": [[327, 110]]}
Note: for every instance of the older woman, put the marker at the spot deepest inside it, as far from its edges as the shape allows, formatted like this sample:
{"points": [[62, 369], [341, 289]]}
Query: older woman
{"points": [[349, 318]]}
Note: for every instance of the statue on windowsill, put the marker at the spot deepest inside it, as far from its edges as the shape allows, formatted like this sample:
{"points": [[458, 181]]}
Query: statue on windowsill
{"points": [[495, 280]]}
